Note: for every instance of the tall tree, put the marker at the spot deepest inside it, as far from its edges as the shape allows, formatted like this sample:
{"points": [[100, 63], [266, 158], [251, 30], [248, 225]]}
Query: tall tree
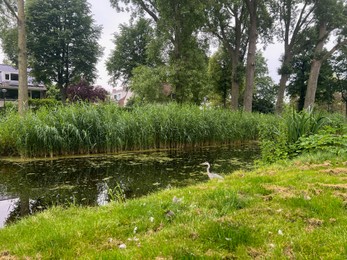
{"points": [[228, 22], [22, 51], [178, 21], [326, 85], [131, 50], [294, 18], [62, 41], [331, 18], [252, 6], [259, 24]]}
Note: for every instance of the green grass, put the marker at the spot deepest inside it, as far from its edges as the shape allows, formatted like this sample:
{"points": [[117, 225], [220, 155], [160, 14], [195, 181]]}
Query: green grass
{"points": [[294, 210]]}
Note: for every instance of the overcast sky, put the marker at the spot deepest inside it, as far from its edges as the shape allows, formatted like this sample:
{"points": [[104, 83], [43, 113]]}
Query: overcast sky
{"points": [[110, 20]]}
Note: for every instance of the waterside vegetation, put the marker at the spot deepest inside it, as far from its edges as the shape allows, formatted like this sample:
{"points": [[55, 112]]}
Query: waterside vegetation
{"points": [[105, 128]]}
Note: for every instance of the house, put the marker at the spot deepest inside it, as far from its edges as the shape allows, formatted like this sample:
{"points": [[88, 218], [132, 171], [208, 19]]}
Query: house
{"points": [[9, 84], [121, 95]]}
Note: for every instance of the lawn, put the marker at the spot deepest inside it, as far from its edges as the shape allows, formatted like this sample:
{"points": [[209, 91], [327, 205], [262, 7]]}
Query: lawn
{"points": [[293, 210]]}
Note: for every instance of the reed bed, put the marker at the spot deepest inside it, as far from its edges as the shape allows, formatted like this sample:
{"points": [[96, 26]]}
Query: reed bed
{"points": [[106, 128]]}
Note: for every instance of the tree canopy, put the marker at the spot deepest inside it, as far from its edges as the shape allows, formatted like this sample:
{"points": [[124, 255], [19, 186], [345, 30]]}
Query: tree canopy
{"points": [[131, 50], [62, 41]]}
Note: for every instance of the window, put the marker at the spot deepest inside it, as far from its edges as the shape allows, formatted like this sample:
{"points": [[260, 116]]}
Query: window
{"points": [[117, 97], [14, 77], [7, 76]]}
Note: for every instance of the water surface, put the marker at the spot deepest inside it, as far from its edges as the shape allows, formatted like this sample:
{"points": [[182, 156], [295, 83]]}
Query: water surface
{"points": [[29, 187]]}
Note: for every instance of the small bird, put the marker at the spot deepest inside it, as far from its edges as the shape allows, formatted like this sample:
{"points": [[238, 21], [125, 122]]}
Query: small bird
{"points": [[210, 174]]}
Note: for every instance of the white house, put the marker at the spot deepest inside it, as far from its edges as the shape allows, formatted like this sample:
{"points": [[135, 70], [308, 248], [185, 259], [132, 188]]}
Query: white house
{"points": [[121, 95], [9, 84]]}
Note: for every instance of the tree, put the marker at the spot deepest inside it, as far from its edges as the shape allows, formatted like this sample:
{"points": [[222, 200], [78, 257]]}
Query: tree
{"points": [[228, 23], [131, 50], [219, 74], [264, 93], [326, 85], [22, 51], [330, 16], [294, 18], [151, 85], [177, 21], [62, 41], [259, 24], [9, 43]]}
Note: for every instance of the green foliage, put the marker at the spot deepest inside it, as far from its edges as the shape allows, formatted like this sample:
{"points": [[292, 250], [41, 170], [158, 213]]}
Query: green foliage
{"points": [[219, 72], [327, 140], [43, 102], [116, 194], [9, 42], [299, 132], [105, 128], [264, 94], [53, 92], [303, 124], [131, 49], [62, 41], [177, 23], [151, 85]]}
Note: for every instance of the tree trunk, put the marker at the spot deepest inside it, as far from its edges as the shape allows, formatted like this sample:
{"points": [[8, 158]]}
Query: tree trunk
{"points": [[22, 61], [280, 94], [312, 83], [284, 77], [315, 68], [252, 47], [235, 86]]}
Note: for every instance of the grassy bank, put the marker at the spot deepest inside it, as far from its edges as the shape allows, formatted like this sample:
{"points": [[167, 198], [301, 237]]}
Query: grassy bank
{"points": [[105, 128], [294, 210]]}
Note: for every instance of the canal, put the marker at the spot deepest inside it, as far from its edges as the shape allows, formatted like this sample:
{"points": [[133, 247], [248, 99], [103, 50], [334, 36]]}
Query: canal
{"points": [[32, 186]]}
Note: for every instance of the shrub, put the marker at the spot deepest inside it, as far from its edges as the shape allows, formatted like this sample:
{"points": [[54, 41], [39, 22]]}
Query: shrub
{"points": [[43, 102], [82, 91], [299, 132]]}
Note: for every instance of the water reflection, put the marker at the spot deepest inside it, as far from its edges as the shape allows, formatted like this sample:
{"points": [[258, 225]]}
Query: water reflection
{"points": [[26, 188]]}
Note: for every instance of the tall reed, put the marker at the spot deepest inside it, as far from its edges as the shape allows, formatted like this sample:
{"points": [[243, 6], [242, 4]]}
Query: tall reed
{"points": [[106, 128]]}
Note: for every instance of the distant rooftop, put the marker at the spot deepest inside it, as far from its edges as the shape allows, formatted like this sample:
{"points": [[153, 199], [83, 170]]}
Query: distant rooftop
{"points": [[9, 68]]}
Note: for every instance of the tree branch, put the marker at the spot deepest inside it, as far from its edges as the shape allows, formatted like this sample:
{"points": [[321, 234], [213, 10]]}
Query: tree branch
{"points": [[332, 50], [11, 9], [151, 13]]}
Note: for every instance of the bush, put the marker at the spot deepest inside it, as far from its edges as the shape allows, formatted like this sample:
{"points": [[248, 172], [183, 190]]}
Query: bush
{"points": [[82, 91], [43, 102], [299, 132]]}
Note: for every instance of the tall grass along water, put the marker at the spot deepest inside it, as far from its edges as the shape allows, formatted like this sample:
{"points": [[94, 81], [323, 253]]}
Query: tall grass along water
{"points": [[106, 128]]}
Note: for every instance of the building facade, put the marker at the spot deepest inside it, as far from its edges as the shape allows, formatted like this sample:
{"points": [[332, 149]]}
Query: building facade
{"points": [[9, 84], [121, 95]]}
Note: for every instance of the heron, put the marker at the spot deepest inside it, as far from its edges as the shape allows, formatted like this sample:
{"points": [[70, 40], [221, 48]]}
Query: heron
{"points": [[210, 174]]}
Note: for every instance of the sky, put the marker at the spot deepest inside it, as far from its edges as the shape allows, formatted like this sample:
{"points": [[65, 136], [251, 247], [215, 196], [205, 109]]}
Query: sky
{"points": [[109, 19]]}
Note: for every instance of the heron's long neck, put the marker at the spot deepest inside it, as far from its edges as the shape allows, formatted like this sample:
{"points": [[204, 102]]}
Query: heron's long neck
{"points": [[208, 168]]}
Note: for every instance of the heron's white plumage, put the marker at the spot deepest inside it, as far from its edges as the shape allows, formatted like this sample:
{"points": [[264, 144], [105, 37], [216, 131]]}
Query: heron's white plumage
{"points": [[210, 174]]}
